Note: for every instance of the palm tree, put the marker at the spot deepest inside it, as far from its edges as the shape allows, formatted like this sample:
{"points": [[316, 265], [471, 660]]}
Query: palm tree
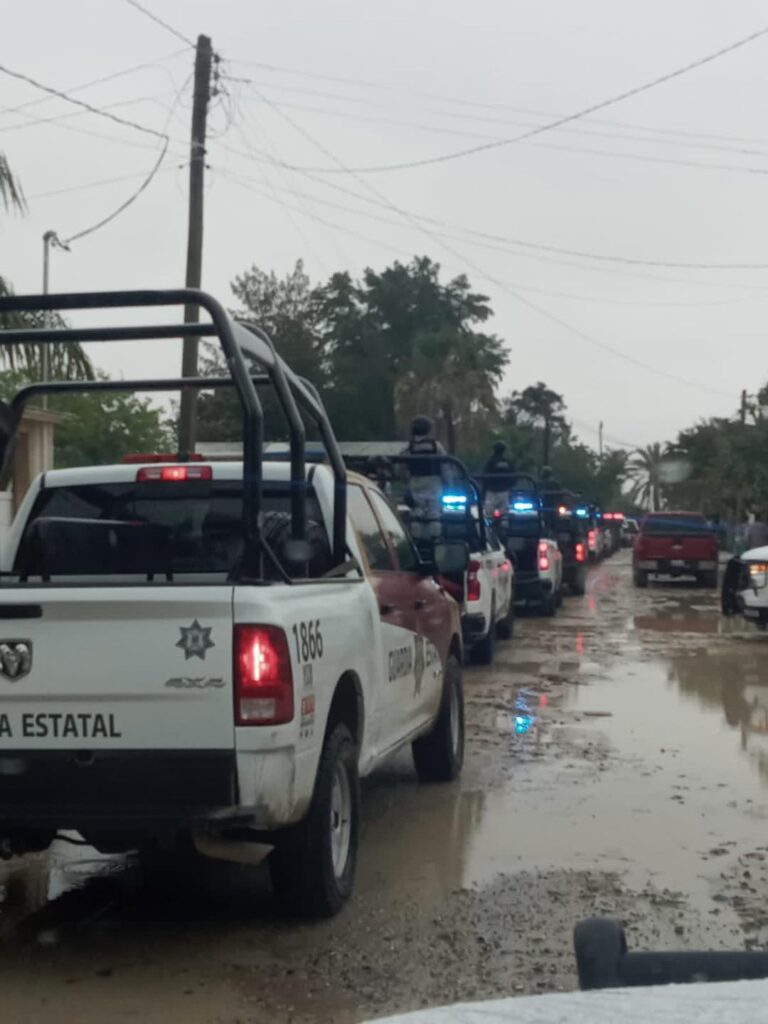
{"points": [[645, 468], [68, 361]]}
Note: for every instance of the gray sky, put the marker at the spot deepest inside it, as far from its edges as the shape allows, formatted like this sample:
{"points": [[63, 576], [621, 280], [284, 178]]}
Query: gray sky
{"points": [[678, 174]]}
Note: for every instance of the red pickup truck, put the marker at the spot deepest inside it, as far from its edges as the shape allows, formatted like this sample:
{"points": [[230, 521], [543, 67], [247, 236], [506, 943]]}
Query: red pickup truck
{"points": [[675, 544]]}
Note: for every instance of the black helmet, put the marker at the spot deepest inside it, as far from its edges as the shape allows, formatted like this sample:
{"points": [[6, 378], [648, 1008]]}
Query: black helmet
{"points": [[499, 448], [546, 472], [422, 426]]}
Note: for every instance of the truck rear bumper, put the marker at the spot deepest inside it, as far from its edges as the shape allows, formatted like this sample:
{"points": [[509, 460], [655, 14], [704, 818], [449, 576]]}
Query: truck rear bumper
{"points": [[531, 589], [70, 790], [676, 566]]}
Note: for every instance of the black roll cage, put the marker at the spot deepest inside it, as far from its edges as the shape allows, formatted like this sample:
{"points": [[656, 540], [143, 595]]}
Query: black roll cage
{"points": [[240, 341], [368, 464]]}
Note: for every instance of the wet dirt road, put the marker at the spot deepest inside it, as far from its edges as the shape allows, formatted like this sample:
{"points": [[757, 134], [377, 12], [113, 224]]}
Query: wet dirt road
{"points": [[617, 763]]}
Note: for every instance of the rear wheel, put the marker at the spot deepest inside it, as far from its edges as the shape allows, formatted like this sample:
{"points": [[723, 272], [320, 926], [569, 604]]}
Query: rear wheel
{"points": [[484, 650], [505, 627], [640, 578], [548, 606], [439, 755], [313, 866], [579, 585]]}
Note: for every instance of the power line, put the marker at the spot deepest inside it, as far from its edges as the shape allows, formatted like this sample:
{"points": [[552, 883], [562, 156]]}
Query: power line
{"points": [[32, 121], [262, 156], [84, 186], [159, 21], [123, 206], [558, 122], [100, 81], [434, 129], [520, 298], [81, 103]]}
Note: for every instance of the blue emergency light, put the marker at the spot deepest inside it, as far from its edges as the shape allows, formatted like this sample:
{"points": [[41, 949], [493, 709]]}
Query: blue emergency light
{"points": [[454, 500], [522, 506], [582, 513]]}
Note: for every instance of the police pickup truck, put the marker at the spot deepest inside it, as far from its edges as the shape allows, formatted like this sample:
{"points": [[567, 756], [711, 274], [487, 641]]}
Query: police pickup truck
{"points": [[215, 651], [438, 500]]}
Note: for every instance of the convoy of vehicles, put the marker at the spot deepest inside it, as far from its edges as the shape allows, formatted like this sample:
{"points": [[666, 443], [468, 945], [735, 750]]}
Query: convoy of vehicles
{"points": [[676, 544], [216, 652], [485, 590]]}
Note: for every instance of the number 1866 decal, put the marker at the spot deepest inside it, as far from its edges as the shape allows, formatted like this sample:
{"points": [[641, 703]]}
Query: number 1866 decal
{"points": [[309, 640]]}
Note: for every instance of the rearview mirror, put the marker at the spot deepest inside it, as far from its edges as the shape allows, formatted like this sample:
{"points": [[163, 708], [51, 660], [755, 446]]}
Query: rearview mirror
{"points": [[450, 557]]}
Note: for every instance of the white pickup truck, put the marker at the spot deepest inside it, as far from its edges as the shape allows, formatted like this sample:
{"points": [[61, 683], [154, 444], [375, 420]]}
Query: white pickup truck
{"points": [[176, 663]]}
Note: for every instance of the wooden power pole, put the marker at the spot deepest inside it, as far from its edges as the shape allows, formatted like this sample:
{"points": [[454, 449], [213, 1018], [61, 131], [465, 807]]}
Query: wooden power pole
{"points": [[202, 95]]}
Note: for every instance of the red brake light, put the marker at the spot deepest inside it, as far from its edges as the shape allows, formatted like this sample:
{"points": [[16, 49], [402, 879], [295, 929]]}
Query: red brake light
{"points": [[173, 474], [608, 515], [473, 581], [497, 513], [262, 675], [592, 540], [505, 566], [543, 556], [581, 554]]}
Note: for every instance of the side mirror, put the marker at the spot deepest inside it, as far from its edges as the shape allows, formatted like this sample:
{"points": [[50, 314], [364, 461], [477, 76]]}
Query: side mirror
{"points": [[450, 557]]}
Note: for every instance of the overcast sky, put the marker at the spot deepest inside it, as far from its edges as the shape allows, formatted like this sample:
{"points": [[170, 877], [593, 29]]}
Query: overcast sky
{"points": [[678, 174]]}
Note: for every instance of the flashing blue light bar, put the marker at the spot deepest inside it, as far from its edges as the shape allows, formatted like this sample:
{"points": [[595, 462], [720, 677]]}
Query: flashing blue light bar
{"points": [[582, 513], [522, 506], [452, 500]]}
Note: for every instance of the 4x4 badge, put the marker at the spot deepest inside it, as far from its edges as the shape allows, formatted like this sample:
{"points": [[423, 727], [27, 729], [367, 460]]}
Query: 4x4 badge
{"points": [[195, 640], [15, 658]]}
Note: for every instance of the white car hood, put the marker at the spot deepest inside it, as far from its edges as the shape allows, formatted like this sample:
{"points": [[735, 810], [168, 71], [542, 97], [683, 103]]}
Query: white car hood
{"points": [[733, 1002], [756, 555]]}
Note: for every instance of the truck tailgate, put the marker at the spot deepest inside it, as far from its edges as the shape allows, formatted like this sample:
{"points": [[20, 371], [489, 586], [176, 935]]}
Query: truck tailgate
{"points": [[694, 547], [116, 668]]}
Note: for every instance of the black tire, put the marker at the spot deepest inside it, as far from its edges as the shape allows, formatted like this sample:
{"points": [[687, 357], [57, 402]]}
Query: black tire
{"points": [[559, 597], [484, 651], [548, 606], [710, 579], [304, 877], [600, 945], [505, 628], [439, 755], [579, 586], [640, 578]]}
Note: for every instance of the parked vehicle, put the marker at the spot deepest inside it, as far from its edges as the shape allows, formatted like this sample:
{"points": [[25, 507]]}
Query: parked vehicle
{"points": [[629, 530], [216, 651], [675, 544]]}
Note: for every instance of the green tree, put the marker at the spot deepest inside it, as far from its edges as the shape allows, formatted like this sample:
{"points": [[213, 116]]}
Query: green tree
{"points": [[645, 468], [539, 407], [98, 429], [286, 308]]}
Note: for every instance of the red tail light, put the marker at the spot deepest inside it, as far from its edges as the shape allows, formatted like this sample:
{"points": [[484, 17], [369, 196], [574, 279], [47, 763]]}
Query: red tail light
{"points": [[497, 513], [473, 581], [543, 556], [592, 540], [262, 676], [173, 474], [581, 553]]}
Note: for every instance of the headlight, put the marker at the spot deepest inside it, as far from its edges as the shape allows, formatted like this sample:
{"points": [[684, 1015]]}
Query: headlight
{"points": [[758, 574]]}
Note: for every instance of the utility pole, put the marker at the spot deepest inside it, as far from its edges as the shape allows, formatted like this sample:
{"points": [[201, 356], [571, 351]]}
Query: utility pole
{"points": [[50, 238], [547, 437], [743, 409], [202, 95], [600, 441]]}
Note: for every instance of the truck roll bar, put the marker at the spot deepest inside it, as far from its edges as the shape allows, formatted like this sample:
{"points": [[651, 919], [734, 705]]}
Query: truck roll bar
{"points": [[242, 343]]}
